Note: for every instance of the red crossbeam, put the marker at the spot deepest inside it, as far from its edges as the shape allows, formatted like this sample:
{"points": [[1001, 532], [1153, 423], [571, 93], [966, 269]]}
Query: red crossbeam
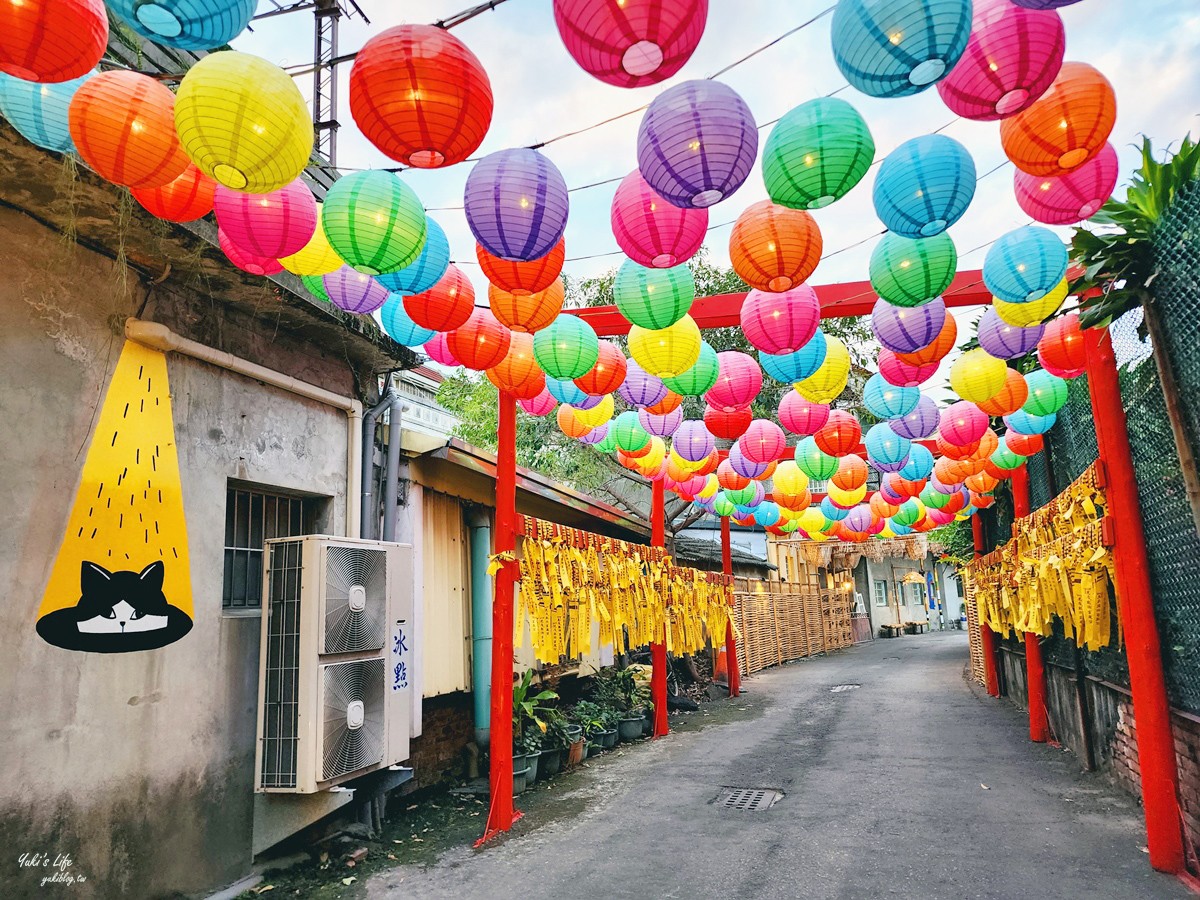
{"points": [[853, 298]]}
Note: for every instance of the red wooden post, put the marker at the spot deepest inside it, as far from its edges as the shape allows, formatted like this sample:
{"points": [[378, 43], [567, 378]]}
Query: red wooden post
{"points": [[1151, 712], [986, 638], [501, 813], [658, 650], [1035, 671], [734, 672]]}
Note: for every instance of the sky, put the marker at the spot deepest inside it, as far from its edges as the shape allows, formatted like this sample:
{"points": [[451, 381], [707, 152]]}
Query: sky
{"points": [[1149, 50]]}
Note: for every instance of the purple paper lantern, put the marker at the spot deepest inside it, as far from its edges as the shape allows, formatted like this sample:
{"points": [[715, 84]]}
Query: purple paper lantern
{"points": [[693, 441], [589, 401], [516, 204], [859, 519], [938, 485], [640, 388], [1044, 4], [920, 423], [697, 143], [353, 291], [907, 329], [1005, 341], [747, 468], [662, 426], [596, 435]]}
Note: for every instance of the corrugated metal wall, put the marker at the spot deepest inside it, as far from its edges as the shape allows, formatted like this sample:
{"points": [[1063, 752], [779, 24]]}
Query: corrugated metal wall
{"points": [[447, 599]]}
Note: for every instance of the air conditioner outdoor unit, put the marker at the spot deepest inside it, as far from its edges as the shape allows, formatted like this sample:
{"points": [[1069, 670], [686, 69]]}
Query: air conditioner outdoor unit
{"points": [[335, 679]]}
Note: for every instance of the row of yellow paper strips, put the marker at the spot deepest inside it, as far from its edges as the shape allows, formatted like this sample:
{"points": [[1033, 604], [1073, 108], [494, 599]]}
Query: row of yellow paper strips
{"points": [[1055, 565], [570, 578]]}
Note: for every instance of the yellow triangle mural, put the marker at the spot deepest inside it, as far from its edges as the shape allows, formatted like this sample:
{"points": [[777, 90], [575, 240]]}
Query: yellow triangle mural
{"points": [[122, 580]]}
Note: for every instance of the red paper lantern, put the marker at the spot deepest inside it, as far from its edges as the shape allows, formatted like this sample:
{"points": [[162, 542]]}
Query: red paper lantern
{"points": [[522, 277], [481, 342], [936, 350], [518, 372], [607, 374], [52, 40], [840, 434], [186, 199], [774, 248], [1061, 350], [727, 424], [1024, 444], [445, 306], [729, 478], [527, 312], [420, 96]]}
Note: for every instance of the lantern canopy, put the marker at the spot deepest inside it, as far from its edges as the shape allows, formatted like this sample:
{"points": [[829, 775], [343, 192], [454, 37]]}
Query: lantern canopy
{"points": [[908, 329], [243, 122], [186, 199], [1072, 197], [697, 143], [1025, 264], [522, 277], [420, 96], [516, 204], [653, 298], [1011, 59], [567, 348], [977, 376], [527, 312], [400, 326], [355, 292], [816, 153], [924, 186], [666, 352], [700, 377], [1005, 341], [445, 306], [374, 221], [39, 111], [273, 225], [893, 48], [798, 365], [651, 231], [427, 269], [51, 42], [640, 388], [886, 401], [909, 272], [186, 24], [481, 342], [773, 247], [781, 322]]}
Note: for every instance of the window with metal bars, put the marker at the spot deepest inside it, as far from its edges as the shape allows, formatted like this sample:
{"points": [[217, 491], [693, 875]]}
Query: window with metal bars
{"points": [[252, 517]]}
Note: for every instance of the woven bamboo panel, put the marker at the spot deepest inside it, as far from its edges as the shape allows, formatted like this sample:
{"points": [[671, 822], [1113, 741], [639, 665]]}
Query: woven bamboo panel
{"points": [[977, 671], [781, 622]]}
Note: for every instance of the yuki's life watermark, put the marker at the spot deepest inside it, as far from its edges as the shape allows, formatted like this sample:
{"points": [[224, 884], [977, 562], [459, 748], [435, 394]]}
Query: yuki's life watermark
{"points": [[52, 868]]}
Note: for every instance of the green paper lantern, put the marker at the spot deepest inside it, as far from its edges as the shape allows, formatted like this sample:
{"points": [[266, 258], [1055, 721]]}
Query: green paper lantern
{"points": [[629, 433], [909, 272], [722, 505], [741, 496], [567, 349], [316, 286], [374, 221], [910, 513], [813, 461], [935, 498], [608, 443], [816, 153], [1047, 393], [1003, 458], [653, 298], [700, 377], [789, 526]]}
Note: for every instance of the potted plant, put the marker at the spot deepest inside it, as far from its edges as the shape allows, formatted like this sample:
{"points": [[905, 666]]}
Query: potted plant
{"points": [[528, 723], [555, 742], [629, 725], [610, 734]]}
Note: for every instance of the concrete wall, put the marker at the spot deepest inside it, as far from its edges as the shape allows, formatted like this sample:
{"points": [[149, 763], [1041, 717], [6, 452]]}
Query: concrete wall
{"points": [[138, 765]]}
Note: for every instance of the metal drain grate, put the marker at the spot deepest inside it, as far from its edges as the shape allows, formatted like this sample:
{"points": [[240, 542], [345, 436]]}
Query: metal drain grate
{"points": [[838, 688], [748, 799]]}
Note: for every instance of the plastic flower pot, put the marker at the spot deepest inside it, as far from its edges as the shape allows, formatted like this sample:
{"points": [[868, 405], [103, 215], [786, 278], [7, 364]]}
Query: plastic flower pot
{"points": [[594, 750], [630, 729], [531, 760], [520, 780], [550, 763], [608, 739]]}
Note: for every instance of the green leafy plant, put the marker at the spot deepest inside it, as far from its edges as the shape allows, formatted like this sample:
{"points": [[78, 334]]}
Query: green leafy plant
{"points": [[555, 736], [528, 716], [591, 717]]}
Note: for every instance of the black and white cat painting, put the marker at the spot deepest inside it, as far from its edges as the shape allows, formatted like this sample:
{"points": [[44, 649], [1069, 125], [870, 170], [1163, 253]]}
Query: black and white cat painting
{"points": [[117, 612]]}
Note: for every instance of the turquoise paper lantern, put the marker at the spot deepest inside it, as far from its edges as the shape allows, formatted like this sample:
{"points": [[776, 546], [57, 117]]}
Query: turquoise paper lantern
{"points": [[399, 326], [924, 186], [39, 111], [788, 368], [186, 24], [908, 272], [1025, 264], [816, 153], [1025, 423], [631, 436], [700, 377], [919, 465], [427, 269], [893, 48], [567, 348], [832, 511], [886, 401], [1047, 394], [886, 447], [653, 298], [767, 513], [566, 391]]}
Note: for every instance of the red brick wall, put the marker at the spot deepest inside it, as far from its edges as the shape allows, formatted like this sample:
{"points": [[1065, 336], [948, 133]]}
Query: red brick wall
{"points": [[447, 726]]}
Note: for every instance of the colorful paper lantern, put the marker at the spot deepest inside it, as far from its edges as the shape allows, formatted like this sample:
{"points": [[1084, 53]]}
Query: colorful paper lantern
{"points": [[774, 247], [567, 348], [789, 479], [893, 48], [438, 350], [516, 204], [669, 403], [738, 382], [692, 441], [522, 277], [186, 24], [666, 352], [813, 461], [244, 123], [729, 478], [315, 285], [1025, 264], [783, 322], [640, 388], [908, 272], [543, 403], [565, 391], [518, 374], [427, 269], [824, 385], [919, 466], [1044, 4], [1066, 127], [400, 326], [816, 153], [445, 306], [607, 374], [527, 312], [355, 292], [1024, 444], [790, 368], [420, 96], [653, 298], [904, 329], [976, 375], [936, 349], [1005, 341], [921, 422], [630, 44], [661, 425], [843, 500], [1009, 398], [763, 441], [374, 221], [851, 473], [697, 143], [1072, 197], [596, 436], [39, 111], [902, 374], [123, 126], [840, 434], [651, 231], [962, 423], [52, 41], [569, 424], [598, 414], [700, 377], [314, 258], [1011, 59], [248, 262], [924, 186], [801, 416], [186, 199], [630, 434], [886, 401], [273, 225], [481, 342], [1047, 394], [1004, 458], [1061, 351], [1025, 315], [745, 466], [727, 424]]}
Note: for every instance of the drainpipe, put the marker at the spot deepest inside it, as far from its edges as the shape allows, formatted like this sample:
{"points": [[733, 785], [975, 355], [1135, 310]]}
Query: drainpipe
{"points": [[481, 622], [391, 478], [160, 337], [369, 518]]}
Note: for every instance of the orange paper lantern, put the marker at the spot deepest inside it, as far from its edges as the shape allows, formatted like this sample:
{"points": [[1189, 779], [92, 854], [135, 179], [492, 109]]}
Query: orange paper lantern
{"points": [[1024, 444], [1009, 398], [186, 199], [667, 404], [52, 40], [728, 477], [607, 374], [445, 306], [851, 473], [774, 248], [481, 342], [527, 312], [518, 373], [522, 277], [573, 428]]}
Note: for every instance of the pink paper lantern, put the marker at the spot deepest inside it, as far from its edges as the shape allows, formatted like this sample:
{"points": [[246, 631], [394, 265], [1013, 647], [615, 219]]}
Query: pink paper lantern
{"points": [[439, 351], [651, 231], [541, 405], [781, 322], [1070, 198], [272, 225], [693, 486], [1012, 57], [963, 423], [739, 379], [940, 516], [800, 415], [693, 441], [246, 261], [662, 426], [763, 441], [902, 374]]}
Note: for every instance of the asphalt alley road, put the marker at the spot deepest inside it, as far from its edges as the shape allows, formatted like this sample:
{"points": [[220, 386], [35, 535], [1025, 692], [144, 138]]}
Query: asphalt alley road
{"points": [[883, 798]]}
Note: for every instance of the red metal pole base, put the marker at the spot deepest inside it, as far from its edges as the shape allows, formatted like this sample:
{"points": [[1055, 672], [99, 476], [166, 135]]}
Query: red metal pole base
{"points": [[733, 670], [987, 638], [658, 651], [1039, 726]]}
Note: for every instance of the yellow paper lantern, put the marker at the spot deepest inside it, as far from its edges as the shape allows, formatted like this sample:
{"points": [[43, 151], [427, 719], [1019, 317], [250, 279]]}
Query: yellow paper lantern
{"points": [[978, 376], [1022, 315], [824, 385], [812, 520], [685, 465], [789, 479], [711, 486], [314, 258], [598, 414], [887, 532], [846, 499], [666, 352], [652, 460], [243, 122]]}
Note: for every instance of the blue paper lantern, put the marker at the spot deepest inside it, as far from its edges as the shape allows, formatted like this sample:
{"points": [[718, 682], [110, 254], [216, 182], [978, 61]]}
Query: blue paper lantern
{"points": [[893, 48], [401, 328], [886, 448], [767, 513], [919, 465], [39, 111], [899, 530], [924, 186], [1026, 423], [186, 24], [832, 511], [565, 391], [427, 269], [789, 368], [886, 401], [1025, 264]]}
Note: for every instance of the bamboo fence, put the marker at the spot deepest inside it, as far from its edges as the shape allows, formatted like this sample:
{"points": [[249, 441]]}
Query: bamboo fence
{"points": [[785, 621]]}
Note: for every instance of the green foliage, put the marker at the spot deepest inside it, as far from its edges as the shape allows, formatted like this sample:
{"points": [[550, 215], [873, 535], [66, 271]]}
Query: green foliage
{"points": [[954, 542], [593, 717], [1118, 259], [528, 715]]}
